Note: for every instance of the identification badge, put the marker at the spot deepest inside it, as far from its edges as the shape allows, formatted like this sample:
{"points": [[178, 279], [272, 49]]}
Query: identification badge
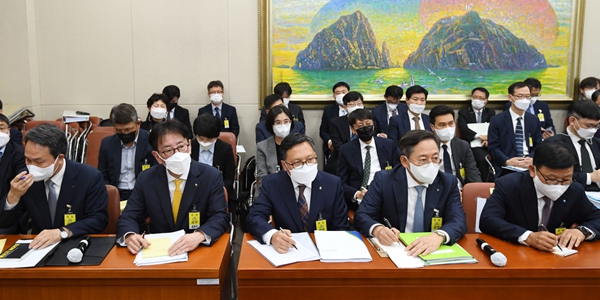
{"points": [[321, 224], [530, 141], [462, 172], [194, 219], [436, 221], [145, 166], [541, 117], [226, 123], [70, 217], [559, 230], [388, 167]]}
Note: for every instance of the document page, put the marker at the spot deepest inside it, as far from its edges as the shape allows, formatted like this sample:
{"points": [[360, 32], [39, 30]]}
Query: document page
{"points": [[30, 260], [400, 257], [160, 255], [305, 251], [342, 246]]}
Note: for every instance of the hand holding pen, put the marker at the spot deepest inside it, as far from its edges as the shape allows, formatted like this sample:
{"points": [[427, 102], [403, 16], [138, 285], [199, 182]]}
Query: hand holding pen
{"points": [[386, 235], [546, 230], [282, 241]]}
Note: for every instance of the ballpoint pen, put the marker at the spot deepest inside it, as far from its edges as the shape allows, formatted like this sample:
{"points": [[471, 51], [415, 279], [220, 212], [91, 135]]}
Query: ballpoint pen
{"points": [[546, 229], [282, 231]]}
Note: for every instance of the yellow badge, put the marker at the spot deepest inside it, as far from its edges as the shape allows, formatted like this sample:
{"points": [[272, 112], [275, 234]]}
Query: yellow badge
{"points": [[226, 123], [541, 117], [70, 218], [436, 223], [194, 219], [145, 167], [387, 168], [321, 225], [530, 141], [559, 230], [463, 174]]}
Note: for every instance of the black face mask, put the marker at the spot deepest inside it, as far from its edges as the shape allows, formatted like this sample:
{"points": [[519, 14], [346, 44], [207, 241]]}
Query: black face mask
{"points": [[127, 138], [171, 105], [365, 133]]}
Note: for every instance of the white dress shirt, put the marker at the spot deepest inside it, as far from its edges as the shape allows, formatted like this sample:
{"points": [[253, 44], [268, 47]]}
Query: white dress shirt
{"points": [[575, 140], [127, 175], [206, 156], [514, 117]]}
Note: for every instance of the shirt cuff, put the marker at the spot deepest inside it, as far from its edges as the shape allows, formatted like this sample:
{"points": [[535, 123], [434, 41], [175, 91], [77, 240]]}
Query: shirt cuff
{"points": [[588, 179], [121, 240], [267, 236], [207, 238], [477, 135], [8, 206], [446, 236], [373, 227], [358, 201], [524, 237]]}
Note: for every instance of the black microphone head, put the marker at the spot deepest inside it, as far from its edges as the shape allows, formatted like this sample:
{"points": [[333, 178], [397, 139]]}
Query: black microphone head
{"points": [[498, 259]]}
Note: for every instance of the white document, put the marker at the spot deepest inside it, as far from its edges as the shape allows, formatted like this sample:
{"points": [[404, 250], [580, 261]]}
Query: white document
{"points": [[159, 260], [30, 260], [594, 197], [479, 128], [515, 169], [400, 257], [70, 116], [480, 205], [342, 246], [240, 149], [306, 251], [564, 252]]}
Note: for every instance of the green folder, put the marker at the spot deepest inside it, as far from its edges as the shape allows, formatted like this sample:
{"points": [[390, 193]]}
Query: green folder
{"points": [[444, 255]]}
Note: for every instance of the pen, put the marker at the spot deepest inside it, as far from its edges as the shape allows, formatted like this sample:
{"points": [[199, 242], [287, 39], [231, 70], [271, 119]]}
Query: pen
{"points": [[22, 178], [546, 229], [282, 231], [387, 223]]}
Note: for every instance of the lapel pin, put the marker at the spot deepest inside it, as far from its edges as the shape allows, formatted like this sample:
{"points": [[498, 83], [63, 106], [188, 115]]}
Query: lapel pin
{"points": [[195, 184], [564, 200], [320, 188], [437, 190]]}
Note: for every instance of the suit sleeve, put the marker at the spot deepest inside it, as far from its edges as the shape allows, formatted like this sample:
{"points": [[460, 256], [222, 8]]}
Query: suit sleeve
{"points": [[234, 125], [494, 143], [548, 117], [259, 136], [455, 220], [259, 213], [217, 219], [393, 130], [470, 166], [9, 219], [466, 133], [395, 155], [301, 116], [324, 128], [263, 114], [228, 170], [135, 211], [370, 207], [103, 160], [492, 220], [336, 137], [261, 168], [302, 128], [342, 172], [96, 206], [537, 137], [340, 210]]}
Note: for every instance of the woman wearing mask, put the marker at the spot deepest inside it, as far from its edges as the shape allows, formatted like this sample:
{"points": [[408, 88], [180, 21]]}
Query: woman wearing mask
{"points": [[157, 111]]}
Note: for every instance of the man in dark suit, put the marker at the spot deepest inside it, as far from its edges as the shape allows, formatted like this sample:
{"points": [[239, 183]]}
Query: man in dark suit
{"points": [[477, 112], [62, 198], [125, 154], [331, 112], [15, 134], [226, 113], [261, 131], [514, 134], [174, 194], [457, 157], [584, 119], [538, 208], [416, 97], [538, 108], [12, 162], [297, 197], [390, 108], [411, 195], [208, 149], [174, 110], [361, 158], [284, 90]]}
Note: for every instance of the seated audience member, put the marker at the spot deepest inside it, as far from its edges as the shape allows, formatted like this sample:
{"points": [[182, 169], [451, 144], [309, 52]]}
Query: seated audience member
{"points": [[261, 129], [284, 90], [330, 112], [173, 192], [157, 111], [596, 97], [297, 197], [208, 149], [269, 153], [12, 162], [414, 118], [226, 113], [513, 135], [587, 87], [361, 158], [584, 119], [538, 108], [15, 135], [457, 158], [174, 111], [524, 208], [477, 112], [125, 154], [410, 195], [61, 197], [390, 108]]}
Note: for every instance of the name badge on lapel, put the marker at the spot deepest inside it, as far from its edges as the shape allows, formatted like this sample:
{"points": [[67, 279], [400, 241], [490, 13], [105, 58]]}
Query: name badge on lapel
{"points": [[70, 217], [540, 115], [145, 166], [321, 223], [560, 229], [226, 123], [194, 219], [436, 221]]}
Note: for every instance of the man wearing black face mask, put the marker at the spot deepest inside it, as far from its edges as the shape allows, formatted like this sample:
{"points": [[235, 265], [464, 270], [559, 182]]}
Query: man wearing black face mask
{"points": [[125, 154], [361, 158], [174, 110]]}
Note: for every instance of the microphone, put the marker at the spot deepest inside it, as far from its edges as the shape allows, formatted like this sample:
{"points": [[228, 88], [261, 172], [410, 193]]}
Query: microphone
{"points": [[75, 255], [497, 258]]}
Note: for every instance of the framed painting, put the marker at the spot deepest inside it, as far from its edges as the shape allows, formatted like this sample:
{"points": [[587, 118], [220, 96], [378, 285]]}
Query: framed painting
{"points": [[449, 47]]}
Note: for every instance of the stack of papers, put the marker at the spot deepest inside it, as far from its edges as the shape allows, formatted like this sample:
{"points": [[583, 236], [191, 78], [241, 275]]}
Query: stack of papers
{"points": [[306, 251], [32, 258], [594, 197], [158, 252], [444, 255], [399, 256], [70, 116], [564, 252], [342, 246], [481, 129]]}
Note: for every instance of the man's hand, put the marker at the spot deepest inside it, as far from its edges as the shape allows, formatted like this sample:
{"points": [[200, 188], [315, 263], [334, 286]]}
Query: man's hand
{"points": [[547, 134], [484, 144], [542, 240], [46, 238], [571, 238], [385, 235], [19, 187], [425, 245], [330, 145], [521, 162], [595, 176], [382, 135], [483, 138], [135, 243], [360, 194], [186, 243], [282, 242]]}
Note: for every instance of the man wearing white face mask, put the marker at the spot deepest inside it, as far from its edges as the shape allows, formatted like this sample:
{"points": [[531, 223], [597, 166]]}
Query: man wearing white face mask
{"points": [[538, 208], [157, 111], [172, 193], [390, 108], [297, 197], [457, 157], [538, 108], [331, 112], [587, 87], [414, 118], [12, 162], [226, 113], [63, 198], [410, 195], [284, 90]]}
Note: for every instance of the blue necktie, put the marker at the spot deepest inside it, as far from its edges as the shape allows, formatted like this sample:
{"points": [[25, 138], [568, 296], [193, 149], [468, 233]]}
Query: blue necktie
{"points": [[519, 137], [418, 218], [530, 110], [353, 137], [447, 162], [217, 113]]}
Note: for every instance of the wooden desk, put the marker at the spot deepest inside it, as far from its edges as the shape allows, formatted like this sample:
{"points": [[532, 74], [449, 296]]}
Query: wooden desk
{"points": [[529, 274], [204, 276]]}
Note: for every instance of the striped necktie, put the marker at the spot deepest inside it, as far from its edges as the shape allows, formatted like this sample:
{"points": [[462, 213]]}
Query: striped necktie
{"points": [[519, 137], [303, 206]]}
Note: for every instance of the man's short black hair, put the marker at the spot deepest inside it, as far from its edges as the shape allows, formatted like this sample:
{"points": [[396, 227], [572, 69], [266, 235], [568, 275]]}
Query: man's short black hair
{"points": [[394, 91], [282, 88], [123, 113], [533, 83], [517, 85], [416, 89], [481, 89], [359, 115], [1, 105], [163, 128], [273, 113], [409, 140], [440, 110], [554, 155], [171, 91], [584, 109], [207, 125], [48, 135], [269, 100], [337, 85], [215, 83], [589, 82], [4, 119], [157, 97], [294, 139], [352, 96]]}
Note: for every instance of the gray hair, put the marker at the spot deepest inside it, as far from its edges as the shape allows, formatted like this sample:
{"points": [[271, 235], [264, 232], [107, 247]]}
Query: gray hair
{"points": [[123, 113]]}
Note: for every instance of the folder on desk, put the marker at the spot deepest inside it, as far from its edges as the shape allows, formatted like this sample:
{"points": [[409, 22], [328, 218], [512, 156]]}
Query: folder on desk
{"points": [[32, 259], [342, 246], [444, 255], [94, 255]]}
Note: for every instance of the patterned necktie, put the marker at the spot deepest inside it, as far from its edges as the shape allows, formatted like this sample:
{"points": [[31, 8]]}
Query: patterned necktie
{"points": [[394, 112], [176, 199], [546, 210], [446, 158], [418, 225], [519, 137], [353, 137], [303, 206], [218, 113], [417, 125], [586, 165], [52, 199], [367, 168]]}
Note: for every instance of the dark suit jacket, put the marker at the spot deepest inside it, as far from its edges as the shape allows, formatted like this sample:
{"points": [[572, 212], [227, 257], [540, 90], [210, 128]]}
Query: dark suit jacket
{"points": [[467, 116], [330, 112], [223, 161], [295, 109], [109, 157], [11, 164], [183, 115], [16, 136], [387, 197], [578, 175], [540, 107], [463, 156], [400, 124], [82, 187], [512, 209], [380, 116], [350, 165], [151, 198], [262, 133], [277, 198], [501, 138], [227, 112]]}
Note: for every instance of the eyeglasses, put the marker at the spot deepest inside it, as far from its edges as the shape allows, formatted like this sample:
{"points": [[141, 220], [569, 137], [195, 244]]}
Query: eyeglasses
{"points": [[528, 97], [355, 103], [587, 125], [554, 181], [169, 152], [422, 161], [299, 164], [478, 98]]}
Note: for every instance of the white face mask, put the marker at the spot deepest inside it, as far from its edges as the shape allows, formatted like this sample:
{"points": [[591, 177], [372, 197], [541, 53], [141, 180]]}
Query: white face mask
{"points": [[40, 174], [533, 100], [339, 99], [416, 108], [351, 109], [305, 175], [216, 98], [158, 112], [446, 134], [522, 104], [179, 163], [4, 139], [392, 107], [551, 191], [585, 133], [425, 173], [588, 93], [286, 101], [282, 130], [477, 104], [206, 145]]}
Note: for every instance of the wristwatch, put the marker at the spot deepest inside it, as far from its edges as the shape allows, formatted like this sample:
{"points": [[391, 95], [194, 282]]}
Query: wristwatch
{"points": [[441, 234], [63, 233], [586, 232]]}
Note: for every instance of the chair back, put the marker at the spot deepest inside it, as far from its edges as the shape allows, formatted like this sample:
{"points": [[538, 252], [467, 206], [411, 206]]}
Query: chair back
{"points": [[470, 193], [114, 209], [94, 141], [230, 139]]}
